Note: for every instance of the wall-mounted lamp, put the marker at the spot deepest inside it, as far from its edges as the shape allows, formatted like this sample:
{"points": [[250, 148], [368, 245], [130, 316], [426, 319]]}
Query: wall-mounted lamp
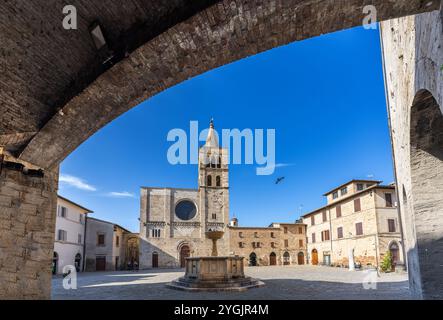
{"points": [[97, 35]]}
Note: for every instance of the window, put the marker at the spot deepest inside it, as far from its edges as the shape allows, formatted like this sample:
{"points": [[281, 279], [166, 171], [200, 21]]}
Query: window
{"points": [[286, 243], [359, 228], [79, 238], [335, 195], [312, 220], [218, 181], [63, 212], [300, 230], [62, 235], [272, 235], [391, 225], [338, 211], [156, 233], [80, 218], [344, 191], [285, 229], [254, 245], [360, 186], [357, 205], [240, 234], [313, 238], [240, 244], [325, 217], [117, 241], [256, 234], [100, 239], [214, 216], [325, 235], [340, 232], [300, 243], [258, 244], [209, 181], [388, 199], [272, 244], [219, 162]]}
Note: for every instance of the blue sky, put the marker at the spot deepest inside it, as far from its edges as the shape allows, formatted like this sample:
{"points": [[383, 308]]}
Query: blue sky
{"points": [[323, 96]]}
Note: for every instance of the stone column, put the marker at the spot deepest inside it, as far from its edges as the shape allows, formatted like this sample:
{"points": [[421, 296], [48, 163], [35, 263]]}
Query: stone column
{"points": [[28, 199]]}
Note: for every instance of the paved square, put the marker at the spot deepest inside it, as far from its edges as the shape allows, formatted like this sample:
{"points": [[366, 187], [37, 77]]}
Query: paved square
{"points": [[282, 283]]}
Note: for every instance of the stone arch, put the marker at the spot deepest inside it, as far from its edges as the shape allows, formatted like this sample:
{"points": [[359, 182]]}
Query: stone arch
{"points": [[253, 259], [55, 263], [286, 258], [426, 154], [78, 262]]}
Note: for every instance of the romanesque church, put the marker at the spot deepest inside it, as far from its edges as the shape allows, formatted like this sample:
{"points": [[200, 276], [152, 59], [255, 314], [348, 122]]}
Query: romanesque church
{"points": [[173, 221]]}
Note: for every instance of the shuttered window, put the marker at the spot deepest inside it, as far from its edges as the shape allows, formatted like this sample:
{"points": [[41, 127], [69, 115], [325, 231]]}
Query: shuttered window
{"points": [[325, 217], [391, 225], [388, 198], [357, 205], [340, 232], [338, 211], [359, 229]]}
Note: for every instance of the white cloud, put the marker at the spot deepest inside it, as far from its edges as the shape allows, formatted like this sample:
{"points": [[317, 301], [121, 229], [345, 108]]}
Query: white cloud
{"points": [[123, 194], [76, 182], [282, 165]]}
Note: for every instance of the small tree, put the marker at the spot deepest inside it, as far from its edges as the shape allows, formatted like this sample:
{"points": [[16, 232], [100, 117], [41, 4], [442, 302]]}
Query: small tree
{"points": [[386, 264]]}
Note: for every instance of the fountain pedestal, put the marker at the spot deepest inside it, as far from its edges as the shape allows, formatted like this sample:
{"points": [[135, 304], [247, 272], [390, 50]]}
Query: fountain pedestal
{"points": [[215, 273]]}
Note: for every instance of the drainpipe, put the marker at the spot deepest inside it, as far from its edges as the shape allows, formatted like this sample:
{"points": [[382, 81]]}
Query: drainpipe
{"points": [[84, 243], [392, 149]]}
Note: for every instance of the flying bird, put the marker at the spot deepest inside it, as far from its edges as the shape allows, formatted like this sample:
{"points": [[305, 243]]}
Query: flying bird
{"points": [[279, 180]]}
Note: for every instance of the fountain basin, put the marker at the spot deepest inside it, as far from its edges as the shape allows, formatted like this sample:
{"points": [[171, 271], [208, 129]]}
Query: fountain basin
{"points": [[215, 274]]}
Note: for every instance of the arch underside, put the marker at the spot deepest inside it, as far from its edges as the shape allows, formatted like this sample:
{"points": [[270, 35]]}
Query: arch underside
{"points": [[58, 92], [427, 190]]}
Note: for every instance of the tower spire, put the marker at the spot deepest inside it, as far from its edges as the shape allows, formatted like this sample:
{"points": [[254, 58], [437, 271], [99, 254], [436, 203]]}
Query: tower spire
{"points": [[211, 140]]}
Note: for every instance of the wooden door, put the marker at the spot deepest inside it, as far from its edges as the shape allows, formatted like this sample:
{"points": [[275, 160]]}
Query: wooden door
{"points": [[314, 257], [155, 260], [301, 258], [273, 259], [286, 259], [100, 263], [184, 253], [395, 255]]}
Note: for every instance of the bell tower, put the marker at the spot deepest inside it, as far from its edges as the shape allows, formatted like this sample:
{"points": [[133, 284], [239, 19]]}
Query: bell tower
{"points": [[213, 182]]}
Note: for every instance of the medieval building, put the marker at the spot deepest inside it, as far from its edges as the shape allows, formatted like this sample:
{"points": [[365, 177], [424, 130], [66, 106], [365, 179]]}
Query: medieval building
{"points": [[173, 222]]}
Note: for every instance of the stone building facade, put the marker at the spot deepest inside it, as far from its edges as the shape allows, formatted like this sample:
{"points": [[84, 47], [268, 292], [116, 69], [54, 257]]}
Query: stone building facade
{"points": [[173, 222], [278, 244], [359, 222], [106, 246], [70, 235]]}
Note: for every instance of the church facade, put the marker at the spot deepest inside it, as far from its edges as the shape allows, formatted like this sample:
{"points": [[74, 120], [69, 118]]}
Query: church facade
{"points": [[173, 221]]}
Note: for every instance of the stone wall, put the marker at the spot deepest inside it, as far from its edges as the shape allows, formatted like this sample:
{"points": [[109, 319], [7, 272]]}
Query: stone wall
{"points": [[413, 57], [28, 200]]}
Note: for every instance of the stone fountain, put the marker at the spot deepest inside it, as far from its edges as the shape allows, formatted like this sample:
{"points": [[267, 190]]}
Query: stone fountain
{"points": [[214, 273]]}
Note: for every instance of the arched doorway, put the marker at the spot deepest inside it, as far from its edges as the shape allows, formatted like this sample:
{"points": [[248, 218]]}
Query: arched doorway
{"points": [[155, 259], [314, 257], [185, 252], [253, 259], [395, 254], [55, 263], [426, 201], [301, 258], [78, 262], [272, 259], [286, 259]]}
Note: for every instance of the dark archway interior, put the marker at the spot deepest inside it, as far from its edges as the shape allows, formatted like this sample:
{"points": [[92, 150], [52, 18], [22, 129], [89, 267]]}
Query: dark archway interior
{"points": [[427, 188]]}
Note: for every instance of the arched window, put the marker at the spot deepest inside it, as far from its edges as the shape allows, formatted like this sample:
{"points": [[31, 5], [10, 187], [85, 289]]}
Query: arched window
{"points": [[209, 182], [219, 163], [218, 181]]}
